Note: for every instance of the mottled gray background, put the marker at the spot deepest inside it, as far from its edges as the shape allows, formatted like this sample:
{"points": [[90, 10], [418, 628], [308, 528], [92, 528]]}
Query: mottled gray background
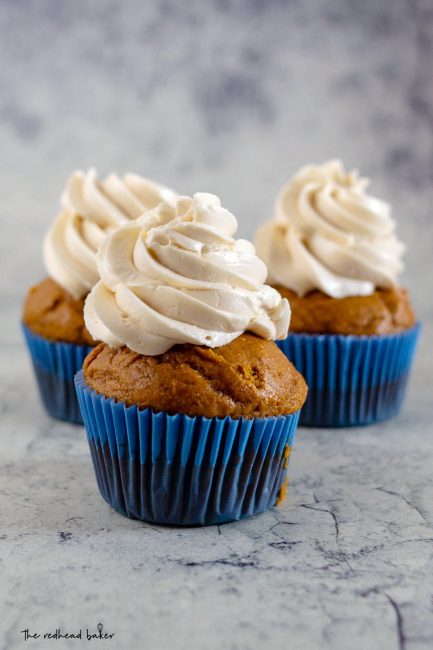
{"points": [[225, 96], [230, 97]]}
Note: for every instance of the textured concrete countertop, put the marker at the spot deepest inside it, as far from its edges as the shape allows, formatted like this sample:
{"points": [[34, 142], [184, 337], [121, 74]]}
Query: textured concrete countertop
{"points": [[228, 97], [346, 561]]}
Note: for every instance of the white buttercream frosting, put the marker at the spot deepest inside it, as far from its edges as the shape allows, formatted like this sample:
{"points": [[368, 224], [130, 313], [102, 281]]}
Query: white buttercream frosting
{"points": [[92, 208], [329, 234], [177, 275]]}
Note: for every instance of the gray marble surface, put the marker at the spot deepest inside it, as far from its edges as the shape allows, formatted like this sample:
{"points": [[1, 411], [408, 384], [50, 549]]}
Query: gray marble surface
{"points": [[226, 96]]}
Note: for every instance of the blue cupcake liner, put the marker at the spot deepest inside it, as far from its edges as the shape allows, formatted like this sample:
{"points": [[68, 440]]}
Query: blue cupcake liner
{"points": [[181, 470], [352, 380], [55, 365]]}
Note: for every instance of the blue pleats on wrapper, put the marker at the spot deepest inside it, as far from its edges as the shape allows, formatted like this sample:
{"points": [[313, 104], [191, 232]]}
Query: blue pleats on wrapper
{"points": [[55, 365], [181, 470], [352, 380]]}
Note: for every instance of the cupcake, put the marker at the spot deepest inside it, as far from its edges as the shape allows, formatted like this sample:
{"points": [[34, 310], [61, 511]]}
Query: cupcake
{"points": [[53, 321], [190, 407], [332, 251]]}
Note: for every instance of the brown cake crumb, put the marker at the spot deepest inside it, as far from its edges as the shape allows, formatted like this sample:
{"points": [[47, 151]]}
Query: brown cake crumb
{"points": [[386, 311], [249, 377], [53, 313]]}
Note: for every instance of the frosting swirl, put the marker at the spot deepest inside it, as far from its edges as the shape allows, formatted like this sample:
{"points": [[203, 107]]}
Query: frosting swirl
{"points": [[177, 275], [91, 209], [329, 234]]}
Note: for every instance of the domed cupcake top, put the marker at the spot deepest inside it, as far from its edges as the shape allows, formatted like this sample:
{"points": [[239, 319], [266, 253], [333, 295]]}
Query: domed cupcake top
{"points": [[177, 275], [329, 234], [91, 209]]}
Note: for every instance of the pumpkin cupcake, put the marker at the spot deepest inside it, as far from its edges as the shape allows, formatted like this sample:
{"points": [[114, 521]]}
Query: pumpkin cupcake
{"points": [[190, 407], [332, 251], [53, 321]]}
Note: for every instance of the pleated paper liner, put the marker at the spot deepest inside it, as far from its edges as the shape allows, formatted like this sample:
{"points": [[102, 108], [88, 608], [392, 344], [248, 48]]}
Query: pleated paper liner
{"points": [[352, 380], [55, 365], [181, 470]]}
